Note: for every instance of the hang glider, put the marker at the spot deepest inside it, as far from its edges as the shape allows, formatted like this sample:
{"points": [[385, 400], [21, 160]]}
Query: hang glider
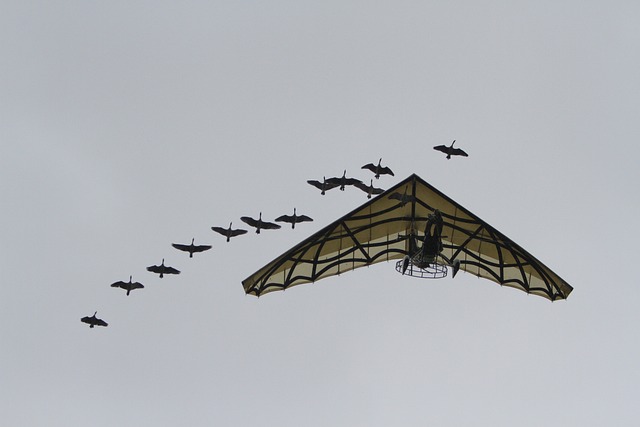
{"points": [[398, 225]]}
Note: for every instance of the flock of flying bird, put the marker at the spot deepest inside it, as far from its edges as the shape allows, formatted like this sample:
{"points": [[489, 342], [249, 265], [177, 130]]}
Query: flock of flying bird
{"points": [[260, 224]]}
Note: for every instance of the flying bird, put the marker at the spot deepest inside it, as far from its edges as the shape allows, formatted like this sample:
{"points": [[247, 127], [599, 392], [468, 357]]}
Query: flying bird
{"points": [[450, 151], [343, 181], [129, 286], [369, 189], [93, 321], [162, 269], [322, 186], [259, 224], [229, 232], [293, 219], [403, 198], [191, 248], [378, 169]]}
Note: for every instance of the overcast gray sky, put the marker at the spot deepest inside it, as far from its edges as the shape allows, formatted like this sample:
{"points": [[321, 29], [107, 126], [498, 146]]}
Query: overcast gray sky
{"points": [[128, 126]]}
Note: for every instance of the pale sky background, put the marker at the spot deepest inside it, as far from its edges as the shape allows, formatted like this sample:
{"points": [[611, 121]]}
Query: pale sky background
{"points": [[126, 126]]}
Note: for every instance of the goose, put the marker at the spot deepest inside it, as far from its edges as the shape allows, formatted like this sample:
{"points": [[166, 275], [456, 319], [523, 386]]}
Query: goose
{"points": [[293, 219], [229, 232], [129, 286], [322, 186], [450, 151], [191, 248], [162, 269], [343, 181], [403, 198], [94, 321], [259, 224], [378, 169], [369, 189]]}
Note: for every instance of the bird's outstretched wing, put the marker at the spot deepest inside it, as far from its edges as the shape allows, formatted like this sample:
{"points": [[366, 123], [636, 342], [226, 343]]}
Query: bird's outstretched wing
{"points": [[100, 322], [442, 148], [250, 221], [459, 152], [304, 218], [270, 225], [364, 187], [118, 284], [373, 168], [220, 230], [385, 170], [170, 270], [286, 218], [315, 183], [155, 268]]}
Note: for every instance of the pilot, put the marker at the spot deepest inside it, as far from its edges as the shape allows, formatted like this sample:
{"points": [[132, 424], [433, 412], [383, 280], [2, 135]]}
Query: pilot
{"points": [[434, 220], [432, 245]]}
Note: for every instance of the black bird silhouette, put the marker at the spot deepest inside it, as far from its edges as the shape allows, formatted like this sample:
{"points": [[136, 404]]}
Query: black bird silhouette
{"points": [[129, 286], [162, 269], [322, 186], [450, 151], [403, 198], [343, 180], [259, 224], [369, 189], [229, 232], [293, 219], [191, 248], [94, 321], [378, 169]]}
